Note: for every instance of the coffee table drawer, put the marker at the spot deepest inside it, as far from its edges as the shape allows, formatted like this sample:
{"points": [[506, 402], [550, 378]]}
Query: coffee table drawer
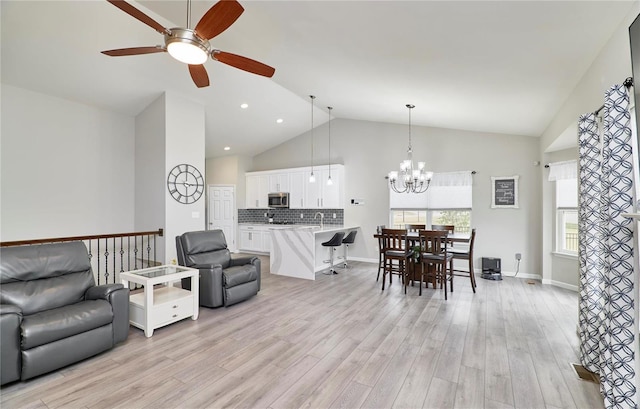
{"points": [[172, 311]]}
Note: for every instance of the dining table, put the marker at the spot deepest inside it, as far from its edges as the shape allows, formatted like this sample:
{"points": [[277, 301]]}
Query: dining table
{"points": [[414, 236]]}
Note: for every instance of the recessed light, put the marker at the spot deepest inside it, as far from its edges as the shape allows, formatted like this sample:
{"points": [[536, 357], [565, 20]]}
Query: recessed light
{"points": [[279, 120], [244, 106], [226, 148]]}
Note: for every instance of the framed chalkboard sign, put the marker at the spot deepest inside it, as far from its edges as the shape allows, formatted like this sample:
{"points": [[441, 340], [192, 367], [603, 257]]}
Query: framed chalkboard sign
{"points": [[504, 192]]}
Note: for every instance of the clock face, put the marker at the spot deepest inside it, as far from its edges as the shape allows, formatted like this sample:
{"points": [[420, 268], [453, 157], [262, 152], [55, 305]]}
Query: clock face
{"points": [[185, 183]]}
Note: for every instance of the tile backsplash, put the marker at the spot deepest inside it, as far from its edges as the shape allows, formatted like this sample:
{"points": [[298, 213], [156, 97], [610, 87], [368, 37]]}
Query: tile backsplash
{"points": [[290, 216]]}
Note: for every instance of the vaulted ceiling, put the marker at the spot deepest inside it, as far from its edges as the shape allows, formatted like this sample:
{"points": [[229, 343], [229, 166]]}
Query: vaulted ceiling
{"points": [[489, 66]]}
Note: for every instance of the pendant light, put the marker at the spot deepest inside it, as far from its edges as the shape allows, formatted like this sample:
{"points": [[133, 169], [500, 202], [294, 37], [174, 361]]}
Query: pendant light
{"points": [[412, 179], [312, 177], [329, 181]]}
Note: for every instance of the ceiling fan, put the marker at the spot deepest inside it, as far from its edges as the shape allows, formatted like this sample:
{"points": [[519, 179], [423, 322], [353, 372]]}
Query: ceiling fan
{"points": [[191, 46]]}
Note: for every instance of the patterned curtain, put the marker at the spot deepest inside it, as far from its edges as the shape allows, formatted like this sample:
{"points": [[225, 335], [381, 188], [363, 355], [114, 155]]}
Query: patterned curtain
{"points": [[607, 295]]}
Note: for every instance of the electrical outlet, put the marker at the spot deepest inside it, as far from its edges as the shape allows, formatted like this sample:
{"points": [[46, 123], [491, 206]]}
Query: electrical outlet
{"points": [[302, 215], [334, 215], [518, 256], [265, 215]]}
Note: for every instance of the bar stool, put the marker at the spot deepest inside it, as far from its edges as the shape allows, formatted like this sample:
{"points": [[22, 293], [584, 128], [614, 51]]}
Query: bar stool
{"points": [[336, 241], [351, 237]]}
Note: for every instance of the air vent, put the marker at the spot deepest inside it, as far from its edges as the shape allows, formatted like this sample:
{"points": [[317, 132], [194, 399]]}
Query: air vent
{"points": [[585, 374]]}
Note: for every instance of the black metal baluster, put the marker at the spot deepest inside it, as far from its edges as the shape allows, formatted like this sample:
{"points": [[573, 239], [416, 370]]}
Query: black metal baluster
{"points": [[135, 253], [106, 261], [98, 261], [149, 251]]}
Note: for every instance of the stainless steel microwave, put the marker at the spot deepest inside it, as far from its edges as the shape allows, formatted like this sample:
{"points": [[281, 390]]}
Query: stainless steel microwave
{"points": [[278, 200]]}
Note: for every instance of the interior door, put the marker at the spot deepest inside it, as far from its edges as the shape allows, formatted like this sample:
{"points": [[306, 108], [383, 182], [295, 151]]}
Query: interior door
{"points": [[222, 210]]}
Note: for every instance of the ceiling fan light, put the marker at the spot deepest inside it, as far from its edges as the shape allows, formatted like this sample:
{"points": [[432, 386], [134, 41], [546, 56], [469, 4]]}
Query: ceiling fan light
{"points": [[185, 46], [187, 53]]}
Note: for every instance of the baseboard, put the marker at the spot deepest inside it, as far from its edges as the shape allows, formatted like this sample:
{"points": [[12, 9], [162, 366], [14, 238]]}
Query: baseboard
{"points": [[561, 284], [522, 275], [364, 260]]}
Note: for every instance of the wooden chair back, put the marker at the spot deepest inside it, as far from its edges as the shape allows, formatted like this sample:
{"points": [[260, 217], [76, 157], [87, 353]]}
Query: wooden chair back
{"points": [[448, 227], [415, 227], [434, 241], [393, 239]]}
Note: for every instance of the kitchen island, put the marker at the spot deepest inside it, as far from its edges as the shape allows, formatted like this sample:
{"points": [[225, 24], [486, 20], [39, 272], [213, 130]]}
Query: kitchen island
{"points": [[297, 251]]}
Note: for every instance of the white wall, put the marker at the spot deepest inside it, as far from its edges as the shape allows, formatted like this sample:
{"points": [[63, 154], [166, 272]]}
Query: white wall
{"points": [[611, 66], [151, 186], [369, 150], [184, 144], [66, 168]]}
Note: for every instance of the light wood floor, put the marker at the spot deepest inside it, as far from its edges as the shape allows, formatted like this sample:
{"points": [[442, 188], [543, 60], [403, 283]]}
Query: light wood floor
{"points": [[340, 341]]}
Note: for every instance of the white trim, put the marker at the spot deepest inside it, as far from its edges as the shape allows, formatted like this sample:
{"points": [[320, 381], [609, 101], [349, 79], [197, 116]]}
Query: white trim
{"points": [[522, 275], [364, 260], [560, 284], [565, 255]]}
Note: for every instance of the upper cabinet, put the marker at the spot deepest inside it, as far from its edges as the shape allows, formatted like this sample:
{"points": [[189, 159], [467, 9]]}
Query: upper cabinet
{"points": [[279, 182], [320, 195], [302, 193], [257, 191]]}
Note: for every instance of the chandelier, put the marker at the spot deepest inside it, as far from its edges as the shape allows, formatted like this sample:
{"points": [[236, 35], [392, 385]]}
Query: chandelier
{"points": [[410, 179]]}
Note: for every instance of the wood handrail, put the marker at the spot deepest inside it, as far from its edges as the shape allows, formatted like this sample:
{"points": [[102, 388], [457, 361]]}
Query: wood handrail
{"points": [[159, 232]]}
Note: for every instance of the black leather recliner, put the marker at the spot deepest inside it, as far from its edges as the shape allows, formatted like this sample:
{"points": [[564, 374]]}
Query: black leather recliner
{"points": [[51, 312], [224, 280]]}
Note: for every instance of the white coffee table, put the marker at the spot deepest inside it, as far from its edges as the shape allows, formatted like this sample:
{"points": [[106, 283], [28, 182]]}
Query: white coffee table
{"points": [[165, 304]]}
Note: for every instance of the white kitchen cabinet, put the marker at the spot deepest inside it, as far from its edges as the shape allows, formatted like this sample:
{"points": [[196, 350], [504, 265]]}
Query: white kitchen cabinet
{"points": [[319, 195], [251, 238], [297, 182], [279, 182], [257, 190], [302, 193]]}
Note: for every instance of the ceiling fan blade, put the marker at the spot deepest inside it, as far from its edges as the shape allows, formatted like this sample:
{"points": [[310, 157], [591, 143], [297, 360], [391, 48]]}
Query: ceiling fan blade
{"points": [[134, 12], [120, 52], [199, 75], [244, 63], [218, 18]]}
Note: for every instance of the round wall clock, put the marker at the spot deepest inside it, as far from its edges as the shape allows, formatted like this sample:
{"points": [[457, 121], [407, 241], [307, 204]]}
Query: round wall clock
{"points": [[185, 183]]}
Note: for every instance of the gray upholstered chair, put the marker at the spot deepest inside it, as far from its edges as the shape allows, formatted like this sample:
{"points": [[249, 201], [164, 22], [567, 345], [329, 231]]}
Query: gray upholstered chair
{"points": [[224, 280], [51, 312]]}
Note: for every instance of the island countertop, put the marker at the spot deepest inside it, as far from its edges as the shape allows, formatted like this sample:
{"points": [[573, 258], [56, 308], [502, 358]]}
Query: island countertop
{"points": [[297, 250]]}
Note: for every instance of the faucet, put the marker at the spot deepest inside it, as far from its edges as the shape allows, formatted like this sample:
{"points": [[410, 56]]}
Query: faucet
{"points": [[315, 216]]}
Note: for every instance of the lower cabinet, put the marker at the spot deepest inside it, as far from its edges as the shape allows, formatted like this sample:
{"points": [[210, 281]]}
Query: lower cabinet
{"points": [[255, 238]]}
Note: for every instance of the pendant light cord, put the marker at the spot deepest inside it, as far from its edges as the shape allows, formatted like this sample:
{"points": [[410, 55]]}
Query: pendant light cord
{"points": [[329, 108], [410, 108], [312, 98]]}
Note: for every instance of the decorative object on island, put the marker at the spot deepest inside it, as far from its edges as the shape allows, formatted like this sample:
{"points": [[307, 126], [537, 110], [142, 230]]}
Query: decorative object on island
{"points": [[185, 183], [412, 179], [329, 181], [312, 177], [191, 46]]}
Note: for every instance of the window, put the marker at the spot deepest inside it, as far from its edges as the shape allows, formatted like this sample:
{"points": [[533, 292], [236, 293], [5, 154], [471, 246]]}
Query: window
{"points": [[448, 201], [565, 176]]}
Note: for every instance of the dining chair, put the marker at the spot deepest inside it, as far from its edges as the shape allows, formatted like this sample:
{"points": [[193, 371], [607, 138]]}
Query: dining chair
{"points": [[459, 253], [415, 227], [435, 259], [448, 227], [396, 254], [380, 250]]}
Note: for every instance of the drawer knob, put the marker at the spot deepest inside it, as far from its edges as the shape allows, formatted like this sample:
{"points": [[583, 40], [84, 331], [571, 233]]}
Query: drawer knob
{"points": [[175, 306], [175, 315]]}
